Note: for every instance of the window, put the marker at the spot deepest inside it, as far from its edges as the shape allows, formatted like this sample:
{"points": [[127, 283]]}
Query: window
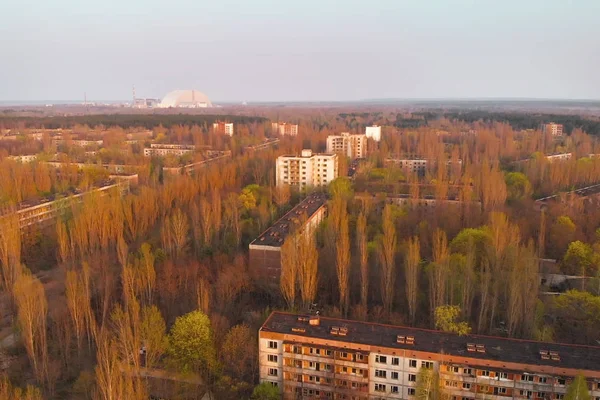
{"points": [[526, 393], [543, 379], [344, 355], [541, 395], [272, 344], [379, 387], [395, 361], [412, 378], [360, 357], [485, 373], [380, 373], [395, 389], [502, 375], [527, 378], [272, 371], [274, 384], [559, 396], [394, 375], [328, 353], [426, 364], [272, 358], [380, 359], [453, 369], [411, 391], [561, 381], [466, 386], [467, 371], [483, 389], [412, 363], [502, 390]]}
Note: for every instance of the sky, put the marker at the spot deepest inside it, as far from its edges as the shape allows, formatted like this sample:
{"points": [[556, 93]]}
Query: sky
{"points": [[301, 50]]}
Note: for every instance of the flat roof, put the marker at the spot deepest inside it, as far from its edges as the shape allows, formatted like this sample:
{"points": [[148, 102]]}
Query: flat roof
{"points": [[275, 235], [496, 348]]}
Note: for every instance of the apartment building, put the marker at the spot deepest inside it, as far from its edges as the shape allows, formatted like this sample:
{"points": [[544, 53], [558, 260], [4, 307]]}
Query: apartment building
{"points": [[311, 357], [353, 146], [165, 149], [415, 165], [48, 209], [553, 129], [77, 142], [224, 128], [306, 170], [24, 158], [283, 128], [373, 132], [265, 251]]}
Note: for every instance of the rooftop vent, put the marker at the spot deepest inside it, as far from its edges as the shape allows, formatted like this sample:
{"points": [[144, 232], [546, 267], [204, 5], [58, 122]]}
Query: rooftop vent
{"points": [[480, 348], [471, 347], [343, 331], [400, 339], [299, 330], [335, 330], [544, 354], [410, 340], [302, 318], [315, 321]]}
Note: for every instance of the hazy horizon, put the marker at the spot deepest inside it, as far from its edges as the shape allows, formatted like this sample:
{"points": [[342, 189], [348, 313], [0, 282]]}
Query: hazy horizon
{"points": [[311, 51]]}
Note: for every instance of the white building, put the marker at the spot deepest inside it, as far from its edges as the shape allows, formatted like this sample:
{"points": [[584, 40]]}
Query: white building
{"points": [[161, 150], [306, 170], [283, 128], [559, 157], [24, 158], [353, 146], [223, 128], [553, 129], [373, 132]]}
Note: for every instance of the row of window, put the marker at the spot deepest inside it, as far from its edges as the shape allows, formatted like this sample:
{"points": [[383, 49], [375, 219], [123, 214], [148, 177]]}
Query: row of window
{"points": [[381, 359], [381, 388]]}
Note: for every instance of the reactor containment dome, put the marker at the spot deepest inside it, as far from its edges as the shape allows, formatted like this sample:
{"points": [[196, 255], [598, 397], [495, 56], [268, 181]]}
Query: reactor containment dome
{"points": [[185, 99]]}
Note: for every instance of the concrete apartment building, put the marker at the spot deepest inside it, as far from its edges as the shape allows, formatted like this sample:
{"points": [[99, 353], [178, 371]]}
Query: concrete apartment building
{"points": [[553, 129], [164, 149], [353, 146], [265, 251], [559, 157], [306, 170], [224, 128], [311, 357], [415, 165], [373, 132], [283, 128]]}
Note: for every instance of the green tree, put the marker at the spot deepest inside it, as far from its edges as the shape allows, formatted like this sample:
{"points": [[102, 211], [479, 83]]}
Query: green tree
{"points": [[562, 232], [341, 187], [249, 197], [238, 352], [577, 317], [191, 347], [579, 259], [446, 319], [578, 389], [153, 335], [428, 385], [265, 391], [517, 186]]}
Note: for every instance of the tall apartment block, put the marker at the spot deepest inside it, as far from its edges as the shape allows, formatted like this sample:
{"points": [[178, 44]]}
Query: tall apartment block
{"points": [[283, 128], [553, 129], [306, 170], [353, 146], [373, 132], [309, 357], [224, 128], [265, 251]]}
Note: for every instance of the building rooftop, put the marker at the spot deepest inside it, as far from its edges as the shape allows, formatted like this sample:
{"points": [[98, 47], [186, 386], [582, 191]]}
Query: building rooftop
{"points": [[275, 235], [473, 346]]}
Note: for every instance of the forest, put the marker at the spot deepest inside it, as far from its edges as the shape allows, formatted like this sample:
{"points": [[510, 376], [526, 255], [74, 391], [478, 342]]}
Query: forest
{"points": [[164, 267]]}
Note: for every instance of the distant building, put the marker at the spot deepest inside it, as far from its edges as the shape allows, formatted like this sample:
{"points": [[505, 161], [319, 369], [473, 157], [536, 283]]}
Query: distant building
{"points": [[185, 99], [553, 129], [559, 157], [373, 132], [224, 128], [162, 150], [415, 165], [283, 128], [306, 170], [316, 357], [24, 158], [78, 143], [265, 251], [353, 146]]}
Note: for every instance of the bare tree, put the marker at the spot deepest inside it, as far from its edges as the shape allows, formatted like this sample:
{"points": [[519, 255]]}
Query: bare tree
{"points": [[308, 268], [411, 274], [289, 270], [343, 261], [363, 256], [387, 255]]}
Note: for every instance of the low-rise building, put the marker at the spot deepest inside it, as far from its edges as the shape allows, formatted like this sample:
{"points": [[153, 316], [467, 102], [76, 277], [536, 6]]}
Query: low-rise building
{"points": [[310, 357], [165, 149], [24, 158], [224, 128], [77, 142], [265, 251], [553, 129], [416, 165], [283, 128], [306, 170], [373, 132], [353, 146], [559, 157]]}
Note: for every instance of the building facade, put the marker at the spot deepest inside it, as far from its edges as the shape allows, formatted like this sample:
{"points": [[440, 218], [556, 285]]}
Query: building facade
{"points": [[311, 357], [353, 146], [265, 251], [224, 128], [373, 132], [306, 170], [553, 129], [283, 128], [165, 149], [559, 157]]}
